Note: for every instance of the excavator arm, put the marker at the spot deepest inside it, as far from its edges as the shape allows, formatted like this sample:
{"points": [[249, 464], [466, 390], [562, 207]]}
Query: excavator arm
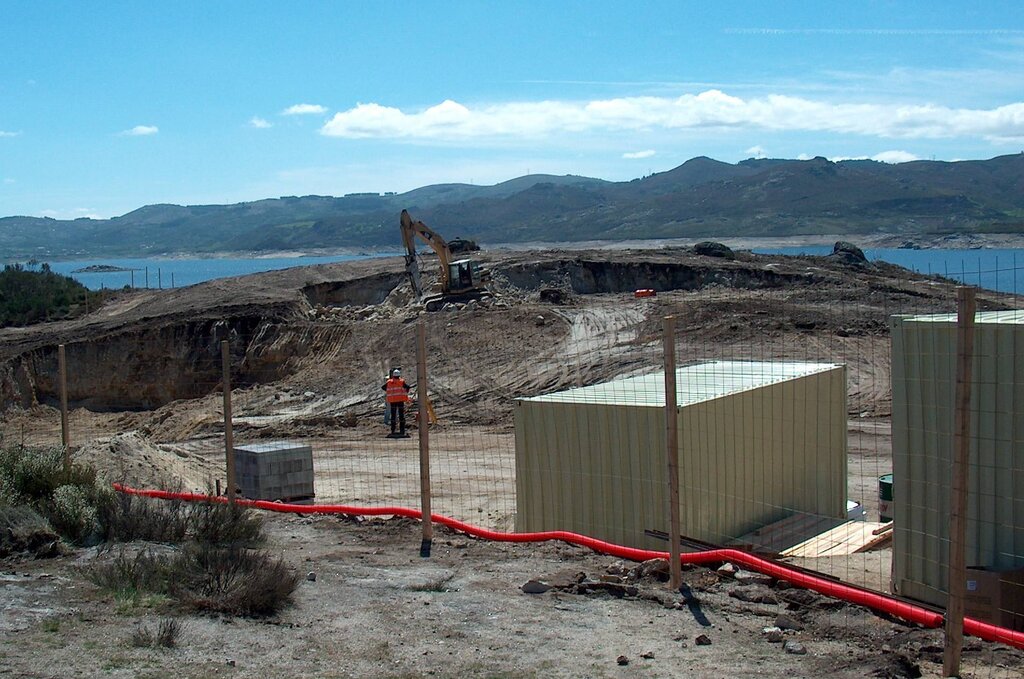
{"points": [[410, 231]]}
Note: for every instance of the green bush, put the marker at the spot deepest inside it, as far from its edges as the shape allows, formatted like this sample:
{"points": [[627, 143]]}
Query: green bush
{"points": [[28, 296], [66, 494], [72, 513]]}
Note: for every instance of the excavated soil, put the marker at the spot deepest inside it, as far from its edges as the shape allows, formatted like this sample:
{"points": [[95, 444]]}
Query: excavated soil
{"points": [[308, 349]]}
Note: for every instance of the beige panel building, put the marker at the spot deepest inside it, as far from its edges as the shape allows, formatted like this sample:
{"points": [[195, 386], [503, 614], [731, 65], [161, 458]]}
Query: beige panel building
{"points": [[758, 441], [923, 393]]}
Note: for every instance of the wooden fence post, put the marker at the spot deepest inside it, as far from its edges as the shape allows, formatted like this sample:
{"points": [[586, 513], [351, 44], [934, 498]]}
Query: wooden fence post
{"points": [[229, 439], [423, 427], [672, 453], [62, 380], [958, 489]]}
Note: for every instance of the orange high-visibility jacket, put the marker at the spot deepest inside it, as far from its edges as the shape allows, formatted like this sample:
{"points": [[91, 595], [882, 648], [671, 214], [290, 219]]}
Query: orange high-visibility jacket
{"points": [[396, 390]]}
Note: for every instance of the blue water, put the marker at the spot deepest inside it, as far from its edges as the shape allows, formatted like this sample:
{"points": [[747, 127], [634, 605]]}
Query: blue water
{"points": [[993, 269], [167, 273], [1001, 270]]}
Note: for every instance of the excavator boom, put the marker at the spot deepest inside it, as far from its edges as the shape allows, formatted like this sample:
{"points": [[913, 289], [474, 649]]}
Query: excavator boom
{"points": [[410, 231], [460, 280]]}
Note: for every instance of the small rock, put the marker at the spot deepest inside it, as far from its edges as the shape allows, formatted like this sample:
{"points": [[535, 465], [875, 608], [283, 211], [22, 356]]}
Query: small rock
{"points": [[750, 578], [784, 621], [754, 595], [794, 647], [231, 663], [535, 587], [702, 640], [727, 569], [311, 576], [539, 321], [622, 660], [772, 635], [647, 655]]}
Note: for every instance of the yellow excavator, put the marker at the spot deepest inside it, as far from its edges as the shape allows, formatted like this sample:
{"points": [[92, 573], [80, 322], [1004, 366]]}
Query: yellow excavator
{"points": [[461, 280]]}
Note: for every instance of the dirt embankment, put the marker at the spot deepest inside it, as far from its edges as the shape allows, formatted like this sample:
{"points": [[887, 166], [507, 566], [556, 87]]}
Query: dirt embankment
{"points": [[146, 350]]}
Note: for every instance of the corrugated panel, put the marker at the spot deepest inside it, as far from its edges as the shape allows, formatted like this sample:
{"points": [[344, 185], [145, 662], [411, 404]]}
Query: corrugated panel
{"points": [[746, 459], [923, 387], [694, 383]]}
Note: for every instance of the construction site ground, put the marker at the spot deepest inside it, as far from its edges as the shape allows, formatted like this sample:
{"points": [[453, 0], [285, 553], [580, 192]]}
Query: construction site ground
{"points": [[371, 605]]}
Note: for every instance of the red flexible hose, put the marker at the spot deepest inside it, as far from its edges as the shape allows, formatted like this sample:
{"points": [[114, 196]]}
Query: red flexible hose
{"points": [[873, 600]]}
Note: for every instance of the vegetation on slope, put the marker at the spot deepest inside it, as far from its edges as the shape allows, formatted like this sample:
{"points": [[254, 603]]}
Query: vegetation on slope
{"points": [[28, 296]]}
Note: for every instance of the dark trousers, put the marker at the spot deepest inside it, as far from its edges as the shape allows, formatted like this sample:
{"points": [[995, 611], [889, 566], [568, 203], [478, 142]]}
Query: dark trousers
{"points": [[398, 417]]}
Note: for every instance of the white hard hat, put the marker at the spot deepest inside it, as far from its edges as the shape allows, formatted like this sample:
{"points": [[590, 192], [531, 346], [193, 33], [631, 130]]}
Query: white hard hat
{"points": [[396, 373]]}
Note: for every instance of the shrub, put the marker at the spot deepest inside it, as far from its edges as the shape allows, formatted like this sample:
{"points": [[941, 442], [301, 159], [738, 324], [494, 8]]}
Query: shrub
{"points": [[67, 495], [22, 529], [133, 574], [224, 524], [129, 517], [165, 636], [232, 580], [72, 513]]}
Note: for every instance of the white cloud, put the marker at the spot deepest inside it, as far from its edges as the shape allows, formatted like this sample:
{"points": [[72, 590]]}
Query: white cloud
{"points": [[891, 157], [304, 109], [895, 157], [259, 123], [757, 151], [140, 131], [711, 109], [638, 154], [4, 133], [74, 213]]}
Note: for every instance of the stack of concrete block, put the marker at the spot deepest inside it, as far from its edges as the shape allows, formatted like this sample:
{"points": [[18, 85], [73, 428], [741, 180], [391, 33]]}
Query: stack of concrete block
{"points": [[275, 470]]}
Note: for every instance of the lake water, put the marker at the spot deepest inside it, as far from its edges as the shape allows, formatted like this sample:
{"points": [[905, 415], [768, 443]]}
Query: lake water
{"points": [[994, 269], [167, 273]]}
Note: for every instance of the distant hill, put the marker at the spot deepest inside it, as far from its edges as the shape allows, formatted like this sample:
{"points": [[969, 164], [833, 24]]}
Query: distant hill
{"points": [[702, 198]]}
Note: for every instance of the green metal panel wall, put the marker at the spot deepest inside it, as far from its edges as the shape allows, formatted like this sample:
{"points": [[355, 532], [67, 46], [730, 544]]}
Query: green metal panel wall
{"points": [[923, 389], [746, 459]]}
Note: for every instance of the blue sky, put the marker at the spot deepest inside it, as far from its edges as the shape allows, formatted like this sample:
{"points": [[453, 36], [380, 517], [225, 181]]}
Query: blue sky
{"points": [[105, 107]]}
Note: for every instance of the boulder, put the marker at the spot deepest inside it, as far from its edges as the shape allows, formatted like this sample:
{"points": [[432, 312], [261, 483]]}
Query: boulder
{"points": [[710, 248], [848, 253]]}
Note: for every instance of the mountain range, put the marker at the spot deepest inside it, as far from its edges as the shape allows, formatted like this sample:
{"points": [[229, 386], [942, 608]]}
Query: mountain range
{"points": [[702, 198]]}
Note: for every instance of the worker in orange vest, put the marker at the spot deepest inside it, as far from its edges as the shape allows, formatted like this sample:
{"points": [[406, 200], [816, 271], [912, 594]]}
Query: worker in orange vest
{"points": [[396, 393]]}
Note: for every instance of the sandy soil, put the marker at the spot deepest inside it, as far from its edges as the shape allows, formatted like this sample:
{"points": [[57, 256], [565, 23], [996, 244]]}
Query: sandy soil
{"points": [[376, 608]]}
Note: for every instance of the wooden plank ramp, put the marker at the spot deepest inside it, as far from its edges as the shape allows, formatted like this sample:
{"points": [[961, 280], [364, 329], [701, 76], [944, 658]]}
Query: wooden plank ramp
{"points": [[812, 535], [848, 538]]}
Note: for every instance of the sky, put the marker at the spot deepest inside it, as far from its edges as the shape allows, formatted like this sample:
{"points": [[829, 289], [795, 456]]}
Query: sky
{"points": [[109, 106]]}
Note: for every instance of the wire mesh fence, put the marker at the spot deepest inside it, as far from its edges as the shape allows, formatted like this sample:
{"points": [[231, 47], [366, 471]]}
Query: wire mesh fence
{"points": [[806, 421]]}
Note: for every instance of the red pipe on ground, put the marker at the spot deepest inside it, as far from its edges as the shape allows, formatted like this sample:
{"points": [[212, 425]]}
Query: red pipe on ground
{"points": [[873, 600]]}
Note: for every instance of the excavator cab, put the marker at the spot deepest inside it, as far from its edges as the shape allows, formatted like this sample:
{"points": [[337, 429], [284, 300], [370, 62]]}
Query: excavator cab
{"points": [[464, 275]]}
